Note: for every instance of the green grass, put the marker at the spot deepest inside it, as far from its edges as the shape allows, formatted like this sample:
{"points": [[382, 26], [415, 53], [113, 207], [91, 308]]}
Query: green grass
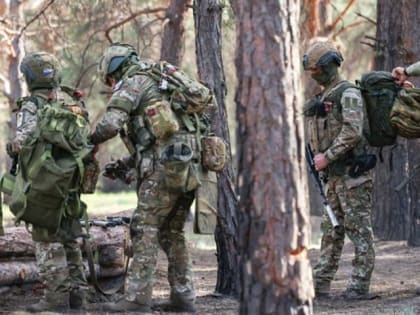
{"points": [[103, 204], [99, 204]]}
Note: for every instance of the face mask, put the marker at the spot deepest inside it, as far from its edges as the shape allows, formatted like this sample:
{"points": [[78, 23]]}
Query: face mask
{"points": [[326, 75]]}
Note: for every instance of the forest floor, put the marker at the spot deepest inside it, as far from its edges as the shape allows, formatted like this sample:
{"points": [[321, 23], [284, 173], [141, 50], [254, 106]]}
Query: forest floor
{"points": [[394, 282]]}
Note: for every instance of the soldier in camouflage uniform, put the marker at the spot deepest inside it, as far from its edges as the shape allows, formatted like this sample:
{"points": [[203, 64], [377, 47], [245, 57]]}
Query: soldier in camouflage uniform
{"points": [[335, 123], [59, 258], [161, 212]]}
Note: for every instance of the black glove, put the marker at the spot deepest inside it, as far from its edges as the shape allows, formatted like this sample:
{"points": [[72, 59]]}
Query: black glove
{"points": [[119, 170]]}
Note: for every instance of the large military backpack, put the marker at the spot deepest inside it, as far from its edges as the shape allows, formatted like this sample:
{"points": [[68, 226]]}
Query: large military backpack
{"points": [[46, 187], [379, 91]]}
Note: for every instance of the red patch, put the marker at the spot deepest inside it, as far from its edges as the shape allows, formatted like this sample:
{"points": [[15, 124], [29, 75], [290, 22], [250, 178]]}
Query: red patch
{"points": [[151, 112]]}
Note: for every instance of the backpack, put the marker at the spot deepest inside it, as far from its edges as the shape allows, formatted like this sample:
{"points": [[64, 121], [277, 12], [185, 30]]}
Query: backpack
{"points": [[46, 187], [379, 91], [185, 94], [405, 114]]}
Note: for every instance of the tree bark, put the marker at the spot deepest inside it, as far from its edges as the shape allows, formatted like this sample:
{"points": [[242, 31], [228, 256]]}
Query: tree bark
{"points": [[274, 232], [395, 214], [172, 48], [207, 18]]}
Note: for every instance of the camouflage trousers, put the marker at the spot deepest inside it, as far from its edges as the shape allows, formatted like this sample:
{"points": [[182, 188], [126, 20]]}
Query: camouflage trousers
{"points": [[60, 266], [352, 207], [159, 221]]}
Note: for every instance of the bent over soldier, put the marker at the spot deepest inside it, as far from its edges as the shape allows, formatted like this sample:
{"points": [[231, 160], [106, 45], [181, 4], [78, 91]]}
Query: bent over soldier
{"points": [[335, 120], [58, 254], [157, 135]]}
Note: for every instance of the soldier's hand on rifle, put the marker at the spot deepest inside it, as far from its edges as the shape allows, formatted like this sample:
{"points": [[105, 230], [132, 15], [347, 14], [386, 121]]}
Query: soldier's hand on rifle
{"points": [[320, 161]]}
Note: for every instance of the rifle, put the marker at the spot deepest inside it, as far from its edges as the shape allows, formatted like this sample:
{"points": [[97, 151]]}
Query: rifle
{"points": [[108, 222], [311, 166]]}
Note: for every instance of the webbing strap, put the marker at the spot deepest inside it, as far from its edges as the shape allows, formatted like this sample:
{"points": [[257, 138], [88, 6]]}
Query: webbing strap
{"points": [[88, 249]]}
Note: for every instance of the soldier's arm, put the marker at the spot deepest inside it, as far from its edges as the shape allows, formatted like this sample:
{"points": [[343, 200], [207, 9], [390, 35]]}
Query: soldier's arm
{"points": [[352, 130], [109, 126], [25, 124]]}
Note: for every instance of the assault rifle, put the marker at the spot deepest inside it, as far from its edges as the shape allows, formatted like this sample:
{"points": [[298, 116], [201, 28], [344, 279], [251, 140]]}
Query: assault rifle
{"points": [[309, 155], [108, 222]]}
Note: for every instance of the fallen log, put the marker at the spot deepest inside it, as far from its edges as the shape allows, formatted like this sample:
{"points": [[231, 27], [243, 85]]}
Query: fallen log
{"points": [[20, 272], [17, 242]]}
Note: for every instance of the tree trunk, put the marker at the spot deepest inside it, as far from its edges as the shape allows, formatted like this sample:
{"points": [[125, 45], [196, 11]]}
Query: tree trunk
{"points": [[274, 233], [207, 17], [395, 213], [172, 48]]}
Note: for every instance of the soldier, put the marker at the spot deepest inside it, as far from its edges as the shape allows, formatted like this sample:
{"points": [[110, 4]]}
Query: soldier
{"points": [[335, 124], [58, 255], [138, 104]]}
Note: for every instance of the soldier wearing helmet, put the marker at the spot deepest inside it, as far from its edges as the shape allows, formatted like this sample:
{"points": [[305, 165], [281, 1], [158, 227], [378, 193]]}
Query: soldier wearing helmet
{"points": [[59, 258], [335, 121], [162, 208]]}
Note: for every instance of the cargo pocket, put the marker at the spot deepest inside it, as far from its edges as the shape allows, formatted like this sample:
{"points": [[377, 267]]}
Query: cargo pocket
{"points": [[180, 173]]}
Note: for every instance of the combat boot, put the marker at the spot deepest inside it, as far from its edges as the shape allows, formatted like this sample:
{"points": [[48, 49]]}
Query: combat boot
{"points": [[56, 302], [177, 304], [352, 294], [77, 299], [125, 306]]}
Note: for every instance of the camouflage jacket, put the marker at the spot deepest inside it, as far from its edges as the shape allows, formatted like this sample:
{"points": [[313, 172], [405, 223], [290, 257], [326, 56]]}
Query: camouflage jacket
{"points": [[129, 97], [340, 132], [26, 114], [129, 107]]}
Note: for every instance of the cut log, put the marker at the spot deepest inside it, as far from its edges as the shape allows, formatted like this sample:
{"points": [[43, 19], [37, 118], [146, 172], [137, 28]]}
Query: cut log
{"points": [[19, 272], [17, 242]]}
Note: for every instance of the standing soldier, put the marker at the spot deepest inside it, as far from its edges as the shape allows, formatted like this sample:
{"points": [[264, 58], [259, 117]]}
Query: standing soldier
{"points": [[335, 126], [58, 254], [163, 148]]}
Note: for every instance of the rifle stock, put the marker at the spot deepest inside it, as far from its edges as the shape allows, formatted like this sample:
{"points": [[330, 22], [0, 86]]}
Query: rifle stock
{"points": [[311, 166]]}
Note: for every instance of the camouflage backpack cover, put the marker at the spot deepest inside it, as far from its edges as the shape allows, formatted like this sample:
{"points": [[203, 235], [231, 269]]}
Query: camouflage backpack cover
{"points": [[405, 114], [50, 164]]}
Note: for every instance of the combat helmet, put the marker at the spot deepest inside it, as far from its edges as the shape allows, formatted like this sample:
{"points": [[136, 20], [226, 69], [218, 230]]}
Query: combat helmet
{"points": [[321, 54], [113, 58], [41, 70]]}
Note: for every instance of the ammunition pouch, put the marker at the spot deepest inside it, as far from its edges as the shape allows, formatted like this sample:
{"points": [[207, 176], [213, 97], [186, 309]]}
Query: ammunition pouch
{"points": [[161, 119], [180, 172], [361, 164], [139, 134], [213, 153]]}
